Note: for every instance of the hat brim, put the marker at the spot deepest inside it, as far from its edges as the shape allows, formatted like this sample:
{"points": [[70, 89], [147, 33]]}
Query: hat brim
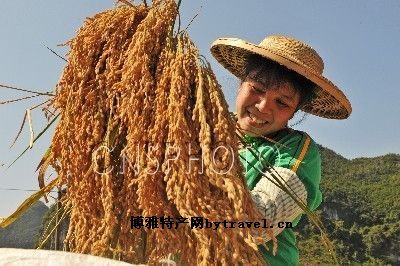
{"points": [[329, 100]]}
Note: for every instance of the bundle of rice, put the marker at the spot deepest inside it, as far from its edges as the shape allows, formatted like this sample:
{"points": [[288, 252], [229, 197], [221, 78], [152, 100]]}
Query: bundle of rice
{"points": [[144, 130]]}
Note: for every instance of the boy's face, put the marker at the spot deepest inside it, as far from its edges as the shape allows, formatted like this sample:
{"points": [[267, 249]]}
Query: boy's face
{"points": [[263, 111]]}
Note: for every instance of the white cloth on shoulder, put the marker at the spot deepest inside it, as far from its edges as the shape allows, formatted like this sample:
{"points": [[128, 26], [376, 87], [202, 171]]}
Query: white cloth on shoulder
{"points": [[275, 204]]}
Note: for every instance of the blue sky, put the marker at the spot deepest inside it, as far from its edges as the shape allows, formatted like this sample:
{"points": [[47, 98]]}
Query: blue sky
{"points": [[358, 40]]}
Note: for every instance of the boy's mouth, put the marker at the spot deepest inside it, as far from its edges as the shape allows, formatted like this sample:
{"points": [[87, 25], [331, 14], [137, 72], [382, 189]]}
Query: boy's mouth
{"points": [[255, 119]]}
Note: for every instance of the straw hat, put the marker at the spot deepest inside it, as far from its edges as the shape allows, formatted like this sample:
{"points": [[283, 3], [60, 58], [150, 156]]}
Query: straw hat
{"points": [[329, 100]]}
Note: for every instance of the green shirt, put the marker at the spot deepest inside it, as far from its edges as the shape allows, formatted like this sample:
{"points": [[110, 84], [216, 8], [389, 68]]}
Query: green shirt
{"points": [[296, 151]]}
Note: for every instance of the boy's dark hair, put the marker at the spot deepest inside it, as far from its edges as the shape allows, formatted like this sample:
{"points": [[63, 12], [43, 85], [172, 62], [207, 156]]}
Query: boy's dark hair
{"points": [[272, 74]]}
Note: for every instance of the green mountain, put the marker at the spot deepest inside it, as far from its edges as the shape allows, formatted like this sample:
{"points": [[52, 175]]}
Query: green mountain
{"points": [[23, 233], [360, 211]]}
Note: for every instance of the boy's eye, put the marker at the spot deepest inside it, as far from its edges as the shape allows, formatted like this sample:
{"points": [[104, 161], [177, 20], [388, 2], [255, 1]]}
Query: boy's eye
{"points": [[281, 103], [256, 89]]}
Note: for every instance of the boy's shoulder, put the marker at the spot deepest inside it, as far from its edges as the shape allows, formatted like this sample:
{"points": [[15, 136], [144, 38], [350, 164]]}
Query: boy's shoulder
{"points": [[300, 144]]}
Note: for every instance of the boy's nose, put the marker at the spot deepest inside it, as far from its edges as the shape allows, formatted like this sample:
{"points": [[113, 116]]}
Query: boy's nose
{"points": [[264, 104]]}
